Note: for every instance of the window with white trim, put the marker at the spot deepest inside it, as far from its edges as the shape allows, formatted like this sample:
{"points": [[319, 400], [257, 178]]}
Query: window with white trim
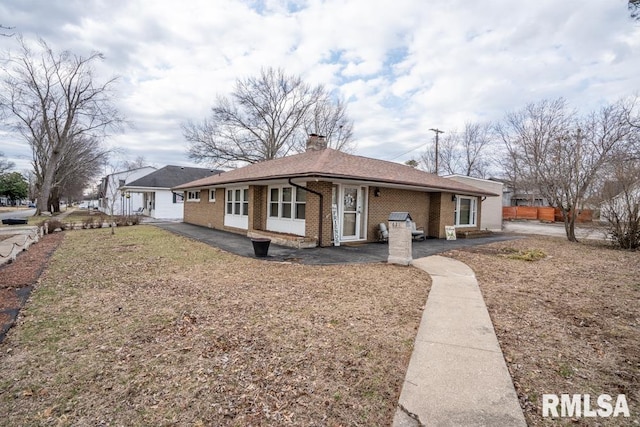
{"points": [[287, 202], [466, 211], [238, 202], [193, 196], [178, 198], [212, 195]]}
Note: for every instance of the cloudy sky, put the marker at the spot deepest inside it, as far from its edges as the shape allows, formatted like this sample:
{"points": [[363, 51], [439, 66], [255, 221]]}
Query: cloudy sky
{"points": [[403, 66]]}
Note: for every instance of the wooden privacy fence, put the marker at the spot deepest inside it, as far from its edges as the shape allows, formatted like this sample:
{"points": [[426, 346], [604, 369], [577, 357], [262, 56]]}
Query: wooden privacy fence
{"points": [[542, 213]]}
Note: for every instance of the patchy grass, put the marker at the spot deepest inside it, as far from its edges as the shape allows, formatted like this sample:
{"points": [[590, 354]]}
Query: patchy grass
{"points": [[527, 255], [147, 328], [568, 323]]}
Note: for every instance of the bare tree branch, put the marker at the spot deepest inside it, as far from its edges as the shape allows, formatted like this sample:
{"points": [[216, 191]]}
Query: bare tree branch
{"points": [[57, 103], [563, 154], [266, 117]]}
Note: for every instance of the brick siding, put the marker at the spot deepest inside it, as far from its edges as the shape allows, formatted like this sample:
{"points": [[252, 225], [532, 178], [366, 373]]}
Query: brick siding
{"points": [[205, 213], [394, 200], [312, 229], [430, 211]]}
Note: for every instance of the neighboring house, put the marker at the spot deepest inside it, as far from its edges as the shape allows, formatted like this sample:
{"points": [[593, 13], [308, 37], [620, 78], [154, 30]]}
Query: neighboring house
{"points": [[157, 198], [113, 200], [512, 196], [623, 206], [324, 195], [491, 205]]}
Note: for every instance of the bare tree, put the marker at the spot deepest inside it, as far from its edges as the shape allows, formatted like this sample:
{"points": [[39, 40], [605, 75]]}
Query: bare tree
{"points": [[266, 117], [329, 118], [138, 162], [476, 139], [463, 153], [620, 205], [81, 163], [561, 153], [4, 28], [56, 101], [5, 165], [634, 9]]}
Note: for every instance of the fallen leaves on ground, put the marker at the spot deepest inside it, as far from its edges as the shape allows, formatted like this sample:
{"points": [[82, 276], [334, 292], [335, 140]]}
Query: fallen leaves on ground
{"points": [[567, 323], [148, 328]]}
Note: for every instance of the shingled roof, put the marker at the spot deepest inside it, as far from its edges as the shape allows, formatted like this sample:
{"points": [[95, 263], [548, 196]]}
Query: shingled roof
{"points": [[171, 176], [333, 164]]}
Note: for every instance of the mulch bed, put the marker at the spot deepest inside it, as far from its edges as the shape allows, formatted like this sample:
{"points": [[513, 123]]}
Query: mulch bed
{"points": [[18, 278]]}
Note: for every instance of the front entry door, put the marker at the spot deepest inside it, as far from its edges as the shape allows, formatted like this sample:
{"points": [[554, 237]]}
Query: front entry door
{"points": [[351, 210]]}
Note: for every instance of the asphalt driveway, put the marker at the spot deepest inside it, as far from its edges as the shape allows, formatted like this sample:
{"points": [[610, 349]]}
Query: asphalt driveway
{"points": [[363, 253]]}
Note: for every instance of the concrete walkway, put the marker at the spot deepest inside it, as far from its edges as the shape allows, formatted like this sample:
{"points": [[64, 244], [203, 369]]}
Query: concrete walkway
{"points": [[457, 375]]}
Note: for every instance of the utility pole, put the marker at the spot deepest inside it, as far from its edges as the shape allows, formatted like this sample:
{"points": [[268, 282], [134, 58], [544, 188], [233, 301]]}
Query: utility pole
{"points": [[437, 132]]}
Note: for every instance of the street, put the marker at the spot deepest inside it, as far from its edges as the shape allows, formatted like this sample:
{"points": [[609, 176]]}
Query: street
{"points": [[18, 213], [555, 229]]}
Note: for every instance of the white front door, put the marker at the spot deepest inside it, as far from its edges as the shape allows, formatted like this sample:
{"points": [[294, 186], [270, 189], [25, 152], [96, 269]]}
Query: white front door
{"points": [[351, 212]]}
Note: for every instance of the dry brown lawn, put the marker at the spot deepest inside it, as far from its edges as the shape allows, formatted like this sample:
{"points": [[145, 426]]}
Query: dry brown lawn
{"points": [[567, 323], [148, 328]]}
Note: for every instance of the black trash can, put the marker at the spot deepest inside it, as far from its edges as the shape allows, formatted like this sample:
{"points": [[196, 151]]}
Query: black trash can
{"points": [[260, 246]]}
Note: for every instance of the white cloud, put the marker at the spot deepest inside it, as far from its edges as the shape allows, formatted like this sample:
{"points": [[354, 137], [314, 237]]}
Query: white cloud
{"points": [[404, 66]]}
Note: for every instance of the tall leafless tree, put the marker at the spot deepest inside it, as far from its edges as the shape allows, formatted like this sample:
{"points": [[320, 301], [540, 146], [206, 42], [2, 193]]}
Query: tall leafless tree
{"points": [[465, 153], [329, 118], [56, 101], [5, 165], [561, 153], [264, 118]]}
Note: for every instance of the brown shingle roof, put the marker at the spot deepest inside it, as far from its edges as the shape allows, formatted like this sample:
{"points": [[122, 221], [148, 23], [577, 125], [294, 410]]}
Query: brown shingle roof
{"points": [[329, 163]]}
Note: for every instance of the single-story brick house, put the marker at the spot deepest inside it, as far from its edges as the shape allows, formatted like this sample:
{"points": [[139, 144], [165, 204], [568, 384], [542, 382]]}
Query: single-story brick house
{"points": [[325, 196]]}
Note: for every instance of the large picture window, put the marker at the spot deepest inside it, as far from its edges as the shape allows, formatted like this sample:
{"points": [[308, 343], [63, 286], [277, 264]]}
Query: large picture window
{"points": [[287, 203], [466, 211]]}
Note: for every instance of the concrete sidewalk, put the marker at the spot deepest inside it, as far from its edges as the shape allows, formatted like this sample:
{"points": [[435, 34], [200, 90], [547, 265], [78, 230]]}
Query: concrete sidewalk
{"points": [[457, 375]]}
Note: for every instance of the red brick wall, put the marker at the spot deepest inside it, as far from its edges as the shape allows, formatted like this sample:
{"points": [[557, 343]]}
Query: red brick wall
{"points": [[441, 213], [205, 213], [441, 210], [430, 211], [257, 207], [312, 222], [394, 200]]}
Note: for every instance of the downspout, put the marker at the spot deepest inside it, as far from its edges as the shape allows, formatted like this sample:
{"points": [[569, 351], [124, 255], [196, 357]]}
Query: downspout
{"points": [[321, 205]]}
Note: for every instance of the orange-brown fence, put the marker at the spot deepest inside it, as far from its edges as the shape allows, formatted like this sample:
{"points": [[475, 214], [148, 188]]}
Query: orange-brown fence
{"points": [[542, 213], [584, 215]]}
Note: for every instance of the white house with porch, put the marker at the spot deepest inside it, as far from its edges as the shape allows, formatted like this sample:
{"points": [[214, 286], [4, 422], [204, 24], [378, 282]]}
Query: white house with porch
{"points": [[158, 201], [113, 199]]}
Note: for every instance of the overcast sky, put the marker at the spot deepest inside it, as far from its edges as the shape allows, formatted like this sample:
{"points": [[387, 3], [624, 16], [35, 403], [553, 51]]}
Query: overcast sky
{"points": [[403, 66]]}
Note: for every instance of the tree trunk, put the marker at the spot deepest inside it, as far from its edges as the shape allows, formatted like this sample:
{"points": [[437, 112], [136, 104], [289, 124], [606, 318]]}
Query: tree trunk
{"points": [[54, 200], [570, 225], [47, 184]]}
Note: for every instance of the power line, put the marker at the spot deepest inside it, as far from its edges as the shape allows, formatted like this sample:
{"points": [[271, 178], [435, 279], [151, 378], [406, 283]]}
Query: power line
{"points": [[407, 152]]}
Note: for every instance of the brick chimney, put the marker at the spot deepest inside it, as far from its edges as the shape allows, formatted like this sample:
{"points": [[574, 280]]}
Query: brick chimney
{"points": [[316, 142]]}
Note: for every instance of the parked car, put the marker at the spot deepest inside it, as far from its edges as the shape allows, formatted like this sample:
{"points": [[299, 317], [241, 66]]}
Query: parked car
{"points": [[31, 205]]}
